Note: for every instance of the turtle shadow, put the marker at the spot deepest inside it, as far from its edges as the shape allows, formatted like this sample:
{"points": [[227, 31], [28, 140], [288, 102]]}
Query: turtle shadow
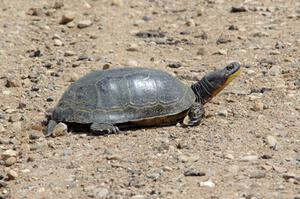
{"points": [[127, 128]]}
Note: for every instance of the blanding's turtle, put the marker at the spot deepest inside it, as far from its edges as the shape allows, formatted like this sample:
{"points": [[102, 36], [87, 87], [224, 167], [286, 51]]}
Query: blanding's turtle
{"points": [[124, 97]]}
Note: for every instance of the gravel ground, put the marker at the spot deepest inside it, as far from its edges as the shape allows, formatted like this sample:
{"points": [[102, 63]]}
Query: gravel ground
{"points": [[248, 145]]}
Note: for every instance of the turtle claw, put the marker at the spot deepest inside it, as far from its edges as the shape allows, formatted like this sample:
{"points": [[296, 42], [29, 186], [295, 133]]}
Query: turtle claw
{"points": [[194, 116], [103, 129]]}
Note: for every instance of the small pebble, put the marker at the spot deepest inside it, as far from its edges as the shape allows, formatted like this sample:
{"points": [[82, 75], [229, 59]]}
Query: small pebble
{"points": [[201, 51], [223, 112], [209, 183], [9, 153], [57, 42], [67, 18], [2, 129], [12, 175], [258, 106], [249, 158], [190, 23], [275, 70], [223, 39], [193, 172], [84, 24], [154, 175], [118, 3], [239, 8], [132, 63], [10, 161], [138, 197], [258, 174], [34, 136], [58, 4], [60, 129], [188, 158], [271, 141], [133, 47], [12, 81], [69, 53]]}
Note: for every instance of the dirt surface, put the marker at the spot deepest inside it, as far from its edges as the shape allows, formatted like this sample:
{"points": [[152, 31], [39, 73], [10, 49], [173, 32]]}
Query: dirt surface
{"points": [[248, 146]]}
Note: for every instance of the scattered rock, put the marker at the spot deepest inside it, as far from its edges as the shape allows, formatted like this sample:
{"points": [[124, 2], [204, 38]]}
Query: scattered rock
{"points": [[249, 158], [258, 174], [58, 4], [271, 141], [151, 34], [34, 135], [96, 192], [223, 112], [203, 35], [175, 64], [133, 47], [233, 169], [67, 18], [38, 146], [12, 175], [297, 197], [275, 70], [2, 129], [15, 117], [57, 42], [60, 129], [69, 53], [35, 11], [209, 183], [261, 34], [190, 23], [139, 197], [3, 184], [258, 106], [114, 156], [223, 39], [288, 176], [118, 3], [193, 172], [201, 51], [12, 81], [188, 158], [10, 161], [9, 153], [220, 52], [279, 169], [239, 8], [84, 24], [233, 27], [154, 175], [132, 63]]}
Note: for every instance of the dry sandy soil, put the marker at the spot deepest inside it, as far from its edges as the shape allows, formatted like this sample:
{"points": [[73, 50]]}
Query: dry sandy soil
{"points": [[248, 145]]}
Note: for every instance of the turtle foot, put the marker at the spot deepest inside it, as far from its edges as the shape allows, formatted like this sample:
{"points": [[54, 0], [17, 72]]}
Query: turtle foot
{"points": [[194, 116], [103, 129], [50, 127]]}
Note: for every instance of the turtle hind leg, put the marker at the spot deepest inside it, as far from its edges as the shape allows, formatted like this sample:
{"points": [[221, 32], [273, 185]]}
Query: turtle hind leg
{"points": [[51, 125], [103, 128], [195, 115]]}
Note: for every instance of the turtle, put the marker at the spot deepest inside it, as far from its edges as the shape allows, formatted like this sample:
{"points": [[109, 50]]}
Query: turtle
{"points": [[109, 100]]}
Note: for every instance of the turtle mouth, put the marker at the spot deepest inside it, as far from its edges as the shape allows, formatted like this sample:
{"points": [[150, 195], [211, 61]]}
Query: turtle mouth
{"points": [[233, 70]]}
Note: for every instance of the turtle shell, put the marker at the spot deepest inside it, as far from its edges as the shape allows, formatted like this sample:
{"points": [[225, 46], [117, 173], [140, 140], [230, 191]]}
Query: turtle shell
{"points": [[123, 95]]}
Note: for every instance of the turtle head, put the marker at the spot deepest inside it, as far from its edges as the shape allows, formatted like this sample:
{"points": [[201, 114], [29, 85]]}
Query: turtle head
{"points": [[210, 85]]}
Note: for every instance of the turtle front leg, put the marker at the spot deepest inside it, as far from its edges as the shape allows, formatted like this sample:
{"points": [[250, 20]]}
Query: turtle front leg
{"points": [[103, 128], [195, 115], [50, 127]]}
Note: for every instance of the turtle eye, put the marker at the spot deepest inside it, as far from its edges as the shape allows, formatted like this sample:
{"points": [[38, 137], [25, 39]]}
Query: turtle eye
{"points": [[230, 67]]}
